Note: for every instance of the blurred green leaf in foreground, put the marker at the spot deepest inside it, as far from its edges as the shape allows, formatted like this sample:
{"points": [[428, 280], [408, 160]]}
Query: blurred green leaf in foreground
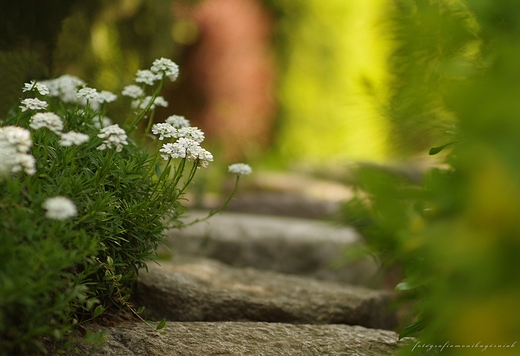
{"points": [[457, 233]]}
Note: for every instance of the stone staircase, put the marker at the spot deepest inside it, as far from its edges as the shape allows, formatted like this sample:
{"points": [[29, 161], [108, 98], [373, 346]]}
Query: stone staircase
{"points": [[260, 284]]}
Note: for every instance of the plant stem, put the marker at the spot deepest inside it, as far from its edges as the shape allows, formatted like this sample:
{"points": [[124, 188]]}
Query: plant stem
{"points": [[145, 110], [216, 211]]}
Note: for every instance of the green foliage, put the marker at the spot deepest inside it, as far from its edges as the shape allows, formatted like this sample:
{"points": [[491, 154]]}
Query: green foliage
{"points": [[78, 226], [435, 45], [49, 269], [456, 233], [332, 56]]}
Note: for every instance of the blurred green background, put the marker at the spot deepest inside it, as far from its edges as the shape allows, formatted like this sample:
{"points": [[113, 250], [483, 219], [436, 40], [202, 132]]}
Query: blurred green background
{"points": [[306, 82]]}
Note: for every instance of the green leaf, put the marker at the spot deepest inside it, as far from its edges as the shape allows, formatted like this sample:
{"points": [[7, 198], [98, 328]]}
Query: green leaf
{"points": [[141, 310], [110, 261], [435, 150], [403, 286], [161, 324], [133, 176], [90, 303], [413, 329], [98, 311], [158, 170]]}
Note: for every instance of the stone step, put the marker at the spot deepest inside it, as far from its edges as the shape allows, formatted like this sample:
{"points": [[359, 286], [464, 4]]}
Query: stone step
{"points": [[282, 244], [200, 289], [245, 338]]}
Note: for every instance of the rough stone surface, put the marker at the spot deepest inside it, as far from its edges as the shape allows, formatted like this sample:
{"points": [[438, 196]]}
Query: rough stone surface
{"points": [[207, 290], [246, 338], [283, 204], [282, 244]]}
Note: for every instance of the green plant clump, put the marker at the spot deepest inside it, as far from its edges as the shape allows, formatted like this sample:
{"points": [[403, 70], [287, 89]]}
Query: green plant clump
{"points": [[456, 234], [84, 202]]}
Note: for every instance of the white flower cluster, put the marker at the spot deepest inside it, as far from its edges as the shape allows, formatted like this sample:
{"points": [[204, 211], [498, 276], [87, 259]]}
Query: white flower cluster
{"points": [[177, 121], [106, 96], [59, 208], [188, 140], [64, 87], [33, 85], [72, 138], [33, 104], [88, 94], [146, 76], [15, 142], [113, 136], [94, 98], [54, 123], [47, 120], [187, 144], [19, 137], [133, 91], [71, 89], [165, 66], [189, 149], [162, 67], [164, 130], [240, 169], [193, 133], [143, 103]]}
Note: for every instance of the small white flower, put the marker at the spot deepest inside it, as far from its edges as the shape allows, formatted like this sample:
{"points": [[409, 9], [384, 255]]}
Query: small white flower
{"points": [[59, 208], [167, 67], [33, 104], [159, 101], [240, 169], [64, 87], [204, 158], [114, 136], [29, 86], [182, 148], [41, 88], [193, 133], [146, 76], [171, 150], [107, 97], [177, 121], [186, 148], [25, 161], [46, 120], [73, 138], [12, 161], [8, 153], [164, 130], [133, 91], [14, 142], [191, 148], [17, 136], [88, 94]]}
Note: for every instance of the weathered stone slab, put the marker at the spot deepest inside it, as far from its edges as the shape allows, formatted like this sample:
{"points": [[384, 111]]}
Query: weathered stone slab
{"points": [[283, 204], [282, 244], [246, 338], [207, 290]]}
